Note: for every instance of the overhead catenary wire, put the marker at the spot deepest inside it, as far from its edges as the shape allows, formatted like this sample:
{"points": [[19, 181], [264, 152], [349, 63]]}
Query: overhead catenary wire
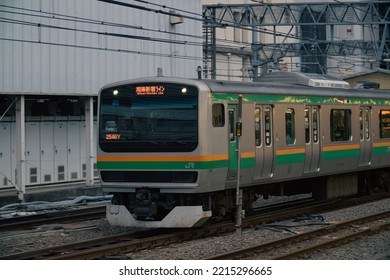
{"points": [[68, 18], [186, 14], [92, 21], [102, 48], [50, 15]]}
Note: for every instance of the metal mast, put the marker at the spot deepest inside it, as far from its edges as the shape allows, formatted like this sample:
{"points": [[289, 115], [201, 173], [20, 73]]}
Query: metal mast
{"points": [[309, 32]]}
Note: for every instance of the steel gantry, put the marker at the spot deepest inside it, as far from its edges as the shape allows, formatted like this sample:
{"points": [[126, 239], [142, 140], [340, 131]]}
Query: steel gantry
{"points": [[305, 30]]}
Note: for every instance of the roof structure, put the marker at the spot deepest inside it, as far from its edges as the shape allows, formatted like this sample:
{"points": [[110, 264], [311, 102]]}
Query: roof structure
{"points": [[304, 79]]}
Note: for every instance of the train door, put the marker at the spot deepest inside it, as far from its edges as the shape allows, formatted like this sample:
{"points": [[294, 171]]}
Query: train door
{"points": [[365, 136], [233, 148], [263, 142], [312, 139]]}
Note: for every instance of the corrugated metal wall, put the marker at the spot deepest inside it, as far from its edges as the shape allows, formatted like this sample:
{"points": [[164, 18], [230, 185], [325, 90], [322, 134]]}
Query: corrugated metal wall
{"points": [[71, 48], [64, 46]]}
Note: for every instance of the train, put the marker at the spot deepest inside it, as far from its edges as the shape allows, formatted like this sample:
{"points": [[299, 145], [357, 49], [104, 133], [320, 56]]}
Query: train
{"points": [[173, 151]]}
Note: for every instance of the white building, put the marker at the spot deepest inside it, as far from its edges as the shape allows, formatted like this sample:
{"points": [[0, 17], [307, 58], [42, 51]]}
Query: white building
{"points": [[55, 56]]}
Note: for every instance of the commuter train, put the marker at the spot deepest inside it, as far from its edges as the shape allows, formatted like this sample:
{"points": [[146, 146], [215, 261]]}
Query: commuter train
{"points": [[170, 149]]}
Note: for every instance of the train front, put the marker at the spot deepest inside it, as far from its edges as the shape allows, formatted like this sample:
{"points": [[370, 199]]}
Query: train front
{"points": [[148, 153]]}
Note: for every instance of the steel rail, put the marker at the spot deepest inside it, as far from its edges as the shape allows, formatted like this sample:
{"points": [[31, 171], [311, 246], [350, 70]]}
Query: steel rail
{"points": [[271, 247]]}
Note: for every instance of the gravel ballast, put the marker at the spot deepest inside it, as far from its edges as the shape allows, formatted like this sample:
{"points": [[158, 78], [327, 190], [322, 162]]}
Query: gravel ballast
{"points": [[370, 248]]}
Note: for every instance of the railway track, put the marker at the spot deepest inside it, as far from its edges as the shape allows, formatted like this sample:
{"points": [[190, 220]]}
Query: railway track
{"points": [[70, 215], [120, 245], [298, 246]]}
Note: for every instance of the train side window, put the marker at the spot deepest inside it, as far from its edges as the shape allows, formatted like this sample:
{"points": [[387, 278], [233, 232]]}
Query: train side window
{"points": [[315, 125], [307, 125], [361, 124], [340, 124], [384, 123], [218, 115], [268, 126], [232, 125], [290, 126], [367, 123], [258, 126]]}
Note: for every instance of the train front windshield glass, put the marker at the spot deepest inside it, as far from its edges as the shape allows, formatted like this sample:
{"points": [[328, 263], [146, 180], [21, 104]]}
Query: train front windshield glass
{"points": [[149, 117]]}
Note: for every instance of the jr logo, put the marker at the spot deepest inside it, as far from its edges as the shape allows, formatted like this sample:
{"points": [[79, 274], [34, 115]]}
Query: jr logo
{"points": [[190, 165]]}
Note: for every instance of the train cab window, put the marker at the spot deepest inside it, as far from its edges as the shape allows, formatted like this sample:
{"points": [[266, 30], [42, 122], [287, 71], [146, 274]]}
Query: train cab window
{"points": [[258, 126], [218, 115], [384, 123], [340, 124], [290, 126]]}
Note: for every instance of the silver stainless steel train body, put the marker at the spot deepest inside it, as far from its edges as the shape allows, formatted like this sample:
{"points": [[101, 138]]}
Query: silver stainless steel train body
{"points": [[168, 146]]}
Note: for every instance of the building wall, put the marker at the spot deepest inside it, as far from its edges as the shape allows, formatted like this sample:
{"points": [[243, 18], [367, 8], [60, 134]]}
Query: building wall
{"points": [[55, 51], [378, 77], [71, 46], [55, 151]]}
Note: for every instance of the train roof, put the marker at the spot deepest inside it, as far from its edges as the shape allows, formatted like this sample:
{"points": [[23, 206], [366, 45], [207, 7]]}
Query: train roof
{"points": [[303, 79], [283, 88], [275, 87]]}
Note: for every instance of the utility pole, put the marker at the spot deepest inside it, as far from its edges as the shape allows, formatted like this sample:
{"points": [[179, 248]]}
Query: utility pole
{"points": [[238, 190], [20, 148]]}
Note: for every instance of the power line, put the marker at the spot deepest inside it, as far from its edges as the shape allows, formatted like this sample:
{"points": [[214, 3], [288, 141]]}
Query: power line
{"points": [[171, 8], [63, 17], [102, 49], [136, 37], [189, 15], [91, 21], [143, 8]]}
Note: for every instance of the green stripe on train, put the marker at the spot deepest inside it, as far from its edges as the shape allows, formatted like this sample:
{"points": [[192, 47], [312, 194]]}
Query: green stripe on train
{"points": [[162, 165], [178, 165], [340, 154], [290, 159], [381, 150], [297, 99]]}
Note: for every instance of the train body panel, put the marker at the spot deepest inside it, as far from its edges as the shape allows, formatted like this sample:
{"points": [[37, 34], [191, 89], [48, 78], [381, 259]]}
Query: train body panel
{"points": [[166, 143]]}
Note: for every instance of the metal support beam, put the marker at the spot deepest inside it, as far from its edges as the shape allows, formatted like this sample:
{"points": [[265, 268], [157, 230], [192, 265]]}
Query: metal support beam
{"points": [[209, 45], [89, 138], [301, 17], [239, 213], [20, 149]]}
